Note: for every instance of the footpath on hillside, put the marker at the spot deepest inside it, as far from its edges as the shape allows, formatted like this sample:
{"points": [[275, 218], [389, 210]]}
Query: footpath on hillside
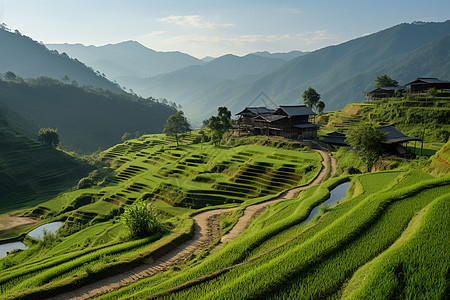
{"points": [[207, 232]]}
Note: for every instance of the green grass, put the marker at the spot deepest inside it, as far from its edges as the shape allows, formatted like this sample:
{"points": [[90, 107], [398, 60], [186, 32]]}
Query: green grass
{"points": [[403, 271], [177, 179], [322, 258]]}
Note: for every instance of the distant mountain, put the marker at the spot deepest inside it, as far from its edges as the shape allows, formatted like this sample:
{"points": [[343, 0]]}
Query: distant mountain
{"points": [[208, 58], [282, 55], [30, 172], [198, 81], [339, 73], [29, 59], [127, 59], [86, 119]]}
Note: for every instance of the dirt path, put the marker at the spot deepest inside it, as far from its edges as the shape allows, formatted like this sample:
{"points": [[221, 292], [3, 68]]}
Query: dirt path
{"points": [[9, 221], [207, 231]]}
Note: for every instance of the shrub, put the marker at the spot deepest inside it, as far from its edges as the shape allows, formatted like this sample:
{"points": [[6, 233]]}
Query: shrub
{"points": [[85, 183], [141, 219]]}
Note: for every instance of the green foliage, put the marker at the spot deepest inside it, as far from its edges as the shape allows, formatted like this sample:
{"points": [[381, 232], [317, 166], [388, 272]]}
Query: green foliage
{"points": [[385, 81], [49, 137], [141, 219], [220, 124], [176, 124], [312, 100], [367, 141], [126, 136]]}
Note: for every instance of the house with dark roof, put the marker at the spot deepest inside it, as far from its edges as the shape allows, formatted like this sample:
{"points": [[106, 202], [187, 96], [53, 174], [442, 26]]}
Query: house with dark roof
{"points": [[383, 92], [335, 139], [292, 121], [423, 84], [393, 143], [395, 138]]}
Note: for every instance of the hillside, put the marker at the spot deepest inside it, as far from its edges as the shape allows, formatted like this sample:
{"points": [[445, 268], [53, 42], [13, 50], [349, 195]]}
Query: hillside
{"points": [[339, 73], [31, 173], [29, 59], [127, 59], [377, 225], [86, 119]]}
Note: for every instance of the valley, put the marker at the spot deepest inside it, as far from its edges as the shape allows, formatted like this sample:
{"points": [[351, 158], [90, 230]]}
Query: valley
{"points": [[174, 182]]}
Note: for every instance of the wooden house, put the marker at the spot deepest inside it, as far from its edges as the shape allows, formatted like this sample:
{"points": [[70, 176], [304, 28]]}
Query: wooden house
{"points": [[423, 84], [287, 121], [383, 92]]}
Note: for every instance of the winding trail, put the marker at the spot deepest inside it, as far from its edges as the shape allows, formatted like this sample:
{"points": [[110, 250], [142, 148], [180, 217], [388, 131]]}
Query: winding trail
{"points": [[207, 232]]}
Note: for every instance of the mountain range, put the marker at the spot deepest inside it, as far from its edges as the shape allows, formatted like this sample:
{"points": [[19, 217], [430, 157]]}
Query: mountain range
{"points": [[340, 73], [29, 59]]}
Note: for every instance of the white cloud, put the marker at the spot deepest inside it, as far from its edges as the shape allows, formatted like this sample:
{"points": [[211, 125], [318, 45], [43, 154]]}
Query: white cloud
{"points": [[154, 33], [193, 21], [317, 36]]}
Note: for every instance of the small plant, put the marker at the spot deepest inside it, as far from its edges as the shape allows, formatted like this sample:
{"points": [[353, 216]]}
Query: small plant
{"points": [[141, 219]]}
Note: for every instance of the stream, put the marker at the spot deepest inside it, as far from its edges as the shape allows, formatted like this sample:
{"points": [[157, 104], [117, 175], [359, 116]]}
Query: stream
{"points": [[36, 233], [336, 194]]}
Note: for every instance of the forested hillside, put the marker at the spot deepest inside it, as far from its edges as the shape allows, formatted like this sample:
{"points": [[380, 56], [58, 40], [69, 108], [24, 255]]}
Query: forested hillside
{"points": [[29, 59], [86, 118], [30, 172]]}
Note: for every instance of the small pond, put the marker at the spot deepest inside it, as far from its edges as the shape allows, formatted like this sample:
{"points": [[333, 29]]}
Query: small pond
{"points": [[335, 195], [38, 232], [8, 247]]}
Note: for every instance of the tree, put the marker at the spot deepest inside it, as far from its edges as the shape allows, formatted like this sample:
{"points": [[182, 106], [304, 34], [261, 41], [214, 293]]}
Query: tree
{"points": [[126, 136], [312, 100], [220, 124], [49, 136], [384, 80], [367, 141], [176, 124]]}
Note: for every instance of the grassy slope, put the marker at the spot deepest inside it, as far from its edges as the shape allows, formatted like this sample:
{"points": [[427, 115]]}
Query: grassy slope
{"points": [[150, 166], [324, 253], [406, 114], [440, 162]]}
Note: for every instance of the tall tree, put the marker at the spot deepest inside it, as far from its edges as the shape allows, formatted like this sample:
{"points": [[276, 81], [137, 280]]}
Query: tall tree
{"points": [[220, 124], [48, 136], [176, 124], [311, 98], [384, 81], [367, 141]]}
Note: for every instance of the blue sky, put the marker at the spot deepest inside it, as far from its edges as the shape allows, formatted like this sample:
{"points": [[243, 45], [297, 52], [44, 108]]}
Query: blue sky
{"points": [[214, 28]]}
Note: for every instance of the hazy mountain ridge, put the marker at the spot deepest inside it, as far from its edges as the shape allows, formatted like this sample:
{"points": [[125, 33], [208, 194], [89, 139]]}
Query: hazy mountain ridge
{"points": [[29, 59], [324, 69], [128, 58]]}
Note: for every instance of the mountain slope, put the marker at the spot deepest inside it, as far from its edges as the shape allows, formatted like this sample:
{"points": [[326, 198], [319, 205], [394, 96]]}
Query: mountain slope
{"points": [[325, 70], [86, 119], [127, 59], [29, 59], [30, 172]]}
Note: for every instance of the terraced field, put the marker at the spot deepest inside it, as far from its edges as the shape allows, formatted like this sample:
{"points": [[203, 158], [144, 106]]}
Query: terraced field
{"points": [[179, 180], [385, 215]]}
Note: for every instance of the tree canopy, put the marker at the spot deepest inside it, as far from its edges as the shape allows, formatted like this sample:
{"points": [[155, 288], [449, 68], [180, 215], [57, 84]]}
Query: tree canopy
{"points": [[367, 141], [312, 100], [48, 136], [220, 124], [384, 81], [176, 124]]}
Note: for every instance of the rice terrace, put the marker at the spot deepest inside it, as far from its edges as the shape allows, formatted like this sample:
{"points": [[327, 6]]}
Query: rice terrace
{"points": [[131, 173]]}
